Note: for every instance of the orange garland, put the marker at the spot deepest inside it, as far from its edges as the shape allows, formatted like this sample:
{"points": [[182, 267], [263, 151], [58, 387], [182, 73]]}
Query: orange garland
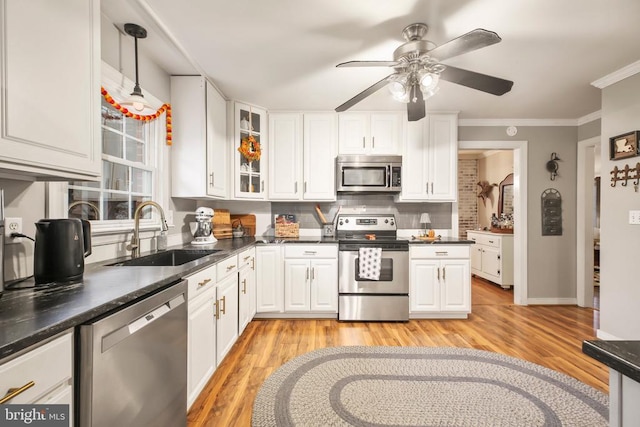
{"points": [[126, 112]]}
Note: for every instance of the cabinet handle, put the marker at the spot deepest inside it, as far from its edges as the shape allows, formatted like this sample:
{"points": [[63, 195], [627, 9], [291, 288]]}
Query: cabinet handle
{"points": [[204, 282], [444, 273], [427, 189], [307, 273], [363, 142], [310, 252], [223, 310], [253, 263], [211, 179], [216, 312], [295, 187], [438, 273], [490, 241], [262, 186], [373, 142], [231, 267], [305, 186], [432, 188], [313, 273], [498, 272], [442, 253], [244, 286], [13, 392], [245, 259]]}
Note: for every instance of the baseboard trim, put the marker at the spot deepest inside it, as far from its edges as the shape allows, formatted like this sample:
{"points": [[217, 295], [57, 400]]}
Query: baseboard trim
{"points": [[552, 301], [606, 336]]}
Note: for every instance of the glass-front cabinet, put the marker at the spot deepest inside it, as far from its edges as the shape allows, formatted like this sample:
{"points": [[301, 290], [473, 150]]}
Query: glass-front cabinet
{"points": [[250, 152]]}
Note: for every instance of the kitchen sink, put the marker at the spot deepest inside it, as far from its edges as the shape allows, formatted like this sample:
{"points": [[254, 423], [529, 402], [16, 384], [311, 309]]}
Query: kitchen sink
{"points": [[171, 257]]}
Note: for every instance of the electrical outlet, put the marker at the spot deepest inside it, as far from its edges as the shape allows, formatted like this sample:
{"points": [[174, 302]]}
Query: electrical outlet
{"points": [[634, 217], [169, 217], [12, 225]]}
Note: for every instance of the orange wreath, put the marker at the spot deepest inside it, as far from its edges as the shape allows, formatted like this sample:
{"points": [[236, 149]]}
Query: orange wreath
{"points": [[250, 148], [126, 112]]}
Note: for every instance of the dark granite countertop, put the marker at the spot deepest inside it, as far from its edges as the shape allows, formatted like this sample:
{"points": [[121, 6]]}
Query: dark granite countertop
{"points": [[30, 315], [623, 356], [442, 241]]}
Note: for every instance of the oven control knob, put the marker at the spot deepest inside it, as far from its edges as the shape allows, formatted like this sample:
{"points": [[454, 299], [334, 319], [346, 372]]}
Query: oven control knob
{"points": [[341, 223], [391, 222], [347, 220], [386, 221]]}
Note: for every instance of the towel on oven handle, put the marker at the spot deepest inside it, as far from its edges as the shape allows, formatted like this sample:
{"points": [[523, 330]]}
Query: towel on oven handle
{"points": [[369, 263]]}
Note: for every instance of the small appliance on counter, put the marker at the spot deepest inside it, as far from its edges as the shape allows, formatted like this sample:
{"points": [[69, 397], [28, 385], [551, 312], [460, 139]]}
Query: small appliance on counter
{"points": [[60, 248], [204, 231]]}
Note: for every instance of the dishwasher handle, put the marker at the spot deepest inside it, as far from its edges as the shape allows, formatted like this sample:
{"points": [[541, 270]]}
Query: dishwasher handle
{"points": [[112, 338]]}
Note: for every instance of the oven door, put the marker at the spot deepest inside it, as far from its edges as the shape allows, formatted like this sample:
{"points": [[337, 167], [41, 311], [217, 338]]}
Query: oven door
{"points": [[394, 277]]}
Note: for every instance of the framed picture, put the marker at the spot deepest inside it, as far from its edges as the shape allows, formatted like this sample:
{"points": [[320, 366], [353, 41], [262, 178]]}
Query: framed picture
{"points": [[624, 146]]}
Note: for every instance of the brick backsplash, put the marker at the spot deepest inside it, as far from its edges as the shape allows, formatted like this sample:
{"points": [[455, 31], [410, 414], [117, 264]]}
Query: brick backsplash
{"points": [[467, 197]]}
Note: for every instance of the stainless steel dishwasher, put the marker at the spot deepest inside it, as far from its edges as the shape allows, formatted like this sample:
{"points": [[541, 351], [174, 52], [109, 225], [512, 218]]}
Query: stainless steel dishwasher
{"points": [[133, 364]]}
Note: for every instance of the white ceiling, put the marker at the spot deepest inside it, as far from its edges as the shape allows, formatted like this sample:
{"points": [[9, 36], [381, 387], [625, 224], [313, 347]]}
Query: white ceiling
{"points": [[281, 54]]}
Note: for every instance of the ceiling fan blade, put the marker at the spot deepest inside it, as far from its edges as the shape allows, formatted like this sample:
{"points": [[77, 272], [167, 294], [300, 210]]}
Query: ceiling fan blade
{"points": [[368, 64], [362, 95], [468, 42], [416, 110], [483, 82]]}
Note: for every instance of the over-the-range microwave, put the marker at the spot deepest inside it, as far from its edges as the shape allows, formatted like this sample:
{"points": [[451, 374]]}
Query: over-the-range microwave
{"points": [[368, 174]]}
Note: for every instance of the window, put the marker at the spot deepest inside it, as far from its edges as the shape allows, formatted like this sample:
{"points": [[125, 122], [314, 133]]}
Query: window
{"points": [[128, 171]]}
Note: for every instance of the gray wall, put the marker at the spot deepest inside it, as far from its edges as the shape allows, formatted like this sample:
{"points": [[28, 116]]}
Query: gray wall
{"points": [[589, 130], [619, 241], [551, 260]]}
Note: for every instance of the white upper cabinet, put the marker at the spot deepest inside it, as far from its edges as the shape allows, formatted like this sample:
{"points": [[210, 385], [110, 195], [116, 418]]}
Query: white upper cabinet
{"points": [[302, 156], [250, 124], [370, 133], [200, 152], [430, 159], [50, 98]]}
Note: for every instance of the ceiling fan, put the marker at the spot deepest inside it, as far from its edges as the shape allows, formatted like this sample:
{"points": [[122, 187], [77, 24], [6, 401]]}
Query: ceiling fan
{"points": [[418, 69]]}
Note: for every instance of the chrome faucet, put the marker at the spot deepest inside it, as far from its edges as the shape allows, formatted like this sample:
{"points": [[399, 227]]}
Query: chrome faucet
{"points": [[135, 240]]}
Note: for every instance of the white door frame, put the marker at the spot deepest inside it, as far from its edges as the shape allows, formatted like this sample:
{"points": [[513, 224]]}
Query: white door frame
{"points": [[519, 209], [584, 221]]}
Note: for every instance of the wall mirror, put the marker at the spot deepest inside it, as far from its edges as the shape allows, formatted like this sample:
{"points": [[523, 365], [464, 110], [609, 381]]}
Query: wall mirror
{"points": [[505, 199]]}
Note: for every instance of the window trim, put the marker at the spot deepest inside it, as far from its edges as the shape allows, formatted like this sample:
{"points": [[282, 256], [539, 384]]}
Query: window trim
{"points": [[56, 193]]}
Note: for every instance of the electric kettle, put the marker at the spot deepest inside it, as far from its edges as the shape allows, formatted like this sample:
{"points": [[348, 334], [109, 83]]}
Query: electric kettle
{"points": [[60, 249]]}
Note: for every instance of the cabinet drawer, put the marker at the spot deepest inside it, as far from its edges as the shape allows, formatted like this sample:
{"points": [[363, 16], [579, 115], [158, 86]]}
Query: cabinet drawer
{"points": [[310, 251], [201, 281], [246, 258], [227, 266], [47, 366], [439, 251], [485, 239]]}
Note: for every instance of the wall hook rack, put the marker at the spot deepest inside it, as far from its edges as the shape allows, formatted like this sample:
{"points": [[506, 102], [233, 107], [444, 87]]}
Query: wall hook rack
{"points": [[625, 174]]}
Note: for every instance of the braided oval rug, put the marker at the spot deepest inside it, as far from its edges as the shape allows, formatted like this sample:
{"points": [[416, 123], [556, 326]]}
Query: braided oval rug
{"points": [[423, 386]]}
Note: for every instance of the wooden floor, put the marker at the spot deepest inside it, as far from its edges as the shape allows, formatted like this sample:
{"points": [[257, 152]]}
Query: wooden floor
{"points": [[550, 336]]}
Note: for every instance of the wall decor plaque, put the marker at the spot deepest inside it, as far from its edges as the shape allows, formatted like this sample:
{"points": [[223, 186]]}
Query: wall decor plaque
{"points": [[551, 202], [623, 146]]}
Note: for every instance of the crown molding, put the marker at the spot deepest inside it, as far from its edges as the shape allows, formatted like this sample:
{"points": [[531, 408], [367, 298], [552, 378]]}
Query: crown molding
{"points": [[596, 115], [517, 122], [618, 75]]}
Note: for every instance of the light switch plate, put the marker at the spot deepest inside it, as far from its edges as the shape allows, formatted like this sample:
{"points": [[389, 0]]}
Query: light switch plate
{"points": [[634, 217]]}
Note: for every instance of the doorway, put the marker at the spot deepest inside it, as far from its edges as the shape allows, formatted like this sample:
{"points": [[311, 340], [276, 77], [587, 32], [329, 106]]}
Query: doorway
{"points": [[520, 209]]}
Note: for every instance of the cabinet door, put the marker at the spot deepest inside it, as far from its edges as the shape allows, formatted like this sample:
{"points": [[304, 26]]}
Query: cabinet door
{"points": [[250, 175], [285, 168], [455, 283], [201, 347], [269, 286], [227, 324], [320, 149], [296, 285], [424, 286], [443, 151], [491, 262], [353, 131], [476, 259], [415, 178], [324, 285], [246, 297], [217, 145], [59, 64], [385, 133]]}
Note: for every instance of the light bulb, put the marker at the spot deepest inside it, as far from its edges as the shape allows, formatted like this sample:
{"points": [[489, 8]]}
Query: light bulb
{"points": [[397, 89]]}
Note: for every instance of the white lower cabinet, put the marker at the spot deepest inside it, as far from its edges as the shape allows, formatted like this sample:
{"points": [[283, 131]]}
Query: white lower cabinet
{"points": [[492, 257], [246, 288], [269, 273], [311, 278], [227, 306], [50, 368], [201, 336], [440, 281]]}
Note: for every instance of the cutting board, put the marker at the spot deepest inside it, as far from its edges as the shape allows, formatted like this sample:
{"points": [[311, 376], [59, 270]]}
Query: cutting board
{"points": [[248, 221], [221, 222]]}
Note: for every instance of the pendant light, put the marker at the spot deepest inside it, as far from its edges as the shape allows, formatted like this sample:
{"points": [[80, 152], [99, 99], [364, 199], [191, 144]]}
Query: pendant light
{"points": [[136, 102]]}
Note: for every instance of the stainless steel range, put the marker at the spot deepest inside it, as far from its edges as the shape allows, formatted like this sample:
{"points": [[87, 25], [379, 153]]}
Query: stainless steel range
{"points": [[385, 298]]}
